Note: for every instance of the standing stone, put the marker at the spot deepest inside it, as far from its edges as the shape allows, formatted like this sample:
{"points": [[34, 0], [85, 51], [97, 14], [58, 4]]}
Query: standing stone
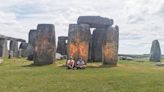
{"points": [[32, 37], [97, 41], [23, 45], [90, 50], [31, 44], [78, 41], [22, 49], [30, 52], [95, 21], [45, 48], [14, 48], [110, 46], [3, 48], [62, 45], [155, 53]]}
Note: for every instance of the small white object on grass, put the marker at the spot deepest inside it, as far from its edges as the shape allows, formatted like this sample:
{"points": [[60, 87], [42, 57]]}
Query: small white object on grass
{"points": [[160, 64], [1, 60]]}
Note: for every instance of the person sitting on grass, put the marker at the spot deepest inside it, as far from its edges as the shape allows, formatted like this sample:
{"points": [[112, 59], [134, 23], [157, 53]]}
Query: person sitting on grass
{"points": [[70, 63], [80, 64]]}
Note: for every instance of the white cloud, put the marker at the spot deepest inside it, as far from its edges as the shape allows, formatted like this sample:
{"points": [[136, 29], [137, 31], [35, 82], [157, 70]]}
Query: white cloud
{"points": [[140, 21]]}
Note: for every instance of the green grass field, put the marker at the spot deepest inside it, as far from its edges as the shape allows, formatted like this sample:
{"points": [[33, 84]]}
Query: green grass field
{"points": [[18, 75]]}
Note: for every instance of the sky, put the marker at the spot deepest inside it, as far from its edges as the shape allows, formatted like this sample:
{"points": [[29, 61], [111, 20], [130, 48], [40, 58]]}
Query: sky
{"points": [[140, 21]]}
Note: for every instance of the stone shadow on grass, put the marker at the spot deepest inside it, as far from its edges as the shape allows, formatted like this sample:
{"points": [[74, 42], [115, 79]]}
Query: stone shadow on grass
{"points": [[101, 66], [92, 66], [34, 65]]}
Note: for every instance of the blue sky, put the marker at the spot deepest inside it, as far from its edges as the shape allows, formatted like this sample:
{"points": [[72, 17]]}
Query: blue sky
{"points": [[140, 21]]}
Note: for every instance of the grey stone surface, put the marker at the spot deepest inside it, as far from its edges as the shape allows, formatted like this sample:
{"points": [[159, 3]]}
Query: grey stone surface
{"points": [[62, 45], [97, 41], [95, 21], [11, 38], [90, 50], [110, 46], [155, 53], [29, 52], [3, 48], [32, 37], [23, 49], [23, 45], [45, 48], [78, 41], [14, 48], [31, 44]]}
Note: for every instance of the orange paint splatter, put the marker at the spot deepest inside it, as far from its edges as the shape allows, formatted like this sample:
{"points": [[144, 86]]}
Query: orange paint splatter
{"points": [[83, 50], [72, 49], [78, 50], [110, 51]]}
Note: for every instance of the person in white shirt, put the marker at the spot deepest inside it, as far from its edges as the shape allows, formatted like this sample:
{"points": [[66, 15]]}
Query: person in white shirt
{"points": [[70, 63], [80, 64]]}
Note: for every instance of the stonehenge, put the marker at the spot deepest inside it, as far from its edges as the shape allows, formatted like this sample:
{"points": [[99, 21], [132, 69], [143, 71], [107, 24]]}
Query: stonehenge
{"points": [[102, 45], [155, 53], [62, 45], [45, 48]]}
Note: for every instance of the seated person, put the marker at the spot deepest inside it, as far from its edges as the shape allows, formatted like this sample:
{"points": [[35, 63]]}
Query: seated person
{"points": [[80, 64], [70, 63]]}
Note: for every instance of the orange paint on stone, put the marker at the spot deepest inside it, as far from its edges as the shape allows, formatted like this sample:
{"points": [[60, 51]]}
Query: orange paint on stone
{"points": [[83, 50], [72, 49], [109, 51], [78, 50]]}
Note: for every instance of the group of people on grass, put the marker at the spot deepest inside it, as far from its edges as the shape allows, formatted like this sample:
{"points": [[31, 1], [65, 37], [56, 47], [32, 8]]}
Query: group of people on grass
{"points": [[71, 64]]}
